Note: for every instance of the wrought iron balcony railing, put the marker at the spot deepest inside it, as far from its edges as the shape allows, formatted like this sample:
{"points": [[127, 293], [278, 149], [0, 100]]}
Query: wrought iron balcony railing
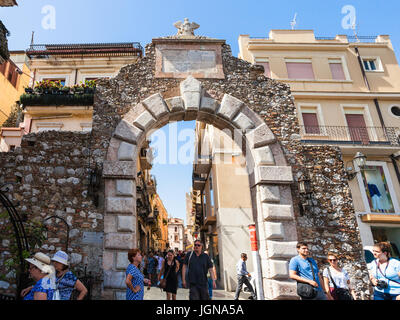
{"points": [[351, 135], [90, 49]]}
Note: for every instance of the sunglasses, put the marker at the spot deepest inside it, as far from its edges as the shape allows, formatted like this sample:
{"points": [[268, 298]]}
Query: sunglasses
{"points": [[332, 260], [197, 245]]}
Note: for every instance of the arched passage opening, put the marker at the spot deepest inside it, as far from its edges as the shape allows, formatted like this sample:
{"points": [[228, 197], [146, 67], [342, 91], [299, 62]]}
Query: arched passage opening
{"points": [[269, 178]]}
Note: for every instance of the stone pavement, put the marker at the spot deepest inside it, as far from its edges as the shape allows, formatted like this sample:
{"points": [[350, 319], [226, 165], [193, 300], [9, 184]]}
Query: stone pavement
{"points": [[183, 294]]}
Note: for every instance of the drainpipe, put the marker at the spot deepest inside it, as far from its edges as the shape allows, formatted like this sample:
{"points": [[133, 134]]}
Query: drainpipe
{"points": [[256, 261]]}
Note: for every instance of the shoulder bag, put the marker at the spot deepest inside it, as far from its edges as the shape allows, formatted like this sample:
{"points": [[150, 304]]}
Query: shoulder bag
{"points": [[163, 281], [339, 293], [305, 290]]}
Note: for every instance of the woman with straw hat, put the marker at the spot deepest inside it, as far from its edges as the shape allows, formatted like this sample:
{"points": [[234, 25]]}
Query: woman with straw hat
{"points": [[43, 273], [66, 281]]}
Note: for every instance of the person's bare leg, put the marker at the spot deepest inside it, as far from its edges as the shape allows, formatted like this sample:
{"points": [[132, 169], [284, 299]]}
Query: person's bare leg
{"points": [[168, 296], [173, 296]]}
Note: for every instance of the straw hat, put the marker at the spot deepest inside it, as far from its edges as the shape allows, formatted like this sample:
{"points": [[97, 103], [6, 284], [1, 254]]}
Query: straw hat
{"points": [[61, 257], [42, 262]]}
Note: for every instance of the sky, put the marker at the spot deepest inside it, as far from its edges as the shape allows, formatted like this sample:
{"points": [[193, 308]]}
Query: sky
{"points": [[99, 21]]}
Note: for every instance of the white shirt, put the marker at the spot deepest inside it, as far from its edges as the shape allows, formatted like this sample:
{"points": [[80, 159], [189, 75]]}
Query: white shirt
{"points": [[340, 278]]}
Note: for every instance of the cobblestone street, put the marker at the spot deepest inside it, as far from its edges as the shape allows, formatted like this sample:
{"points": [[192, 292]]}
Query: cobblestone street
{"points": [[183, 294]]}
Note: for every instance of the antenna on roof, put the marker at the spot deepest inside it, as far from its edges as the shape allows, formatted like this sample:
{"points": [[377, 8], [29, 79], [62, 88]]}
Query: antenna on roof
{"points": [[33, 33], [354, 26], [293, 23]]}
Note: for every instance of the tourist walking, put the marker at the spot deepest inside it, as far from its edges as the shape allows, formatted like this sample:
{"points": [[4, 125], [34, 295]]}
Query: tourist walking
{"points": [[160, 260], [242, 277], [152, 263], [134, 278], [305, 271], [43, 273], [384, 273], [169, 269], [337, 280], [197, 265]]}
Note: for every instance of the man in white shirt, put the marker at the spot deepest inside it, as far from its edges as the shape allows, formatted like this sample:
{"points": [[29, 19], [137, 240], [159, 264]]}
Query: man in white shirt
{"points": [[242, 275]]}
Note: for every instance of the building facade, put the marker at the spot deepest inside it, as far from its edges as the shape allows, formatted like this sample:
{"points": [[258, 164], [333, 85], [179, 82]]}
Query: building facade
{"points": [[176, 234], [347, 94]]}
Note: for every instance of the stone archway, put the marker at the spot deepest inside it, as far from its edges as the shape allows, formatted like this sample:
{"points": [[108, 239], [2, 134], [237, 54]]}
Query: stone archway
{"points": [[269, 176]]}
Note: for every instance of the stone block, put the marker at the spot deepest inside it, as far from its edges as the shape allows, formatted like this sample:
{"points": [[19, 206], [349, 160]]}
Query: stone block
{"points": [[125, 188], [285, 250], [127, 132], [126, 224], [191, 92], [278, 269], [120, 241], [273, 174], [209, 105], [108, 260], [277, 212], [144, 121], [175, 104], [126, 152], [110, 223], [243, 122], [120, 205], [114, 280], [274, 231], [260, 137], [122, 260], [280, 290], [263, 156], [119, 169], [230, 106], [156, 105], [268, 193]]}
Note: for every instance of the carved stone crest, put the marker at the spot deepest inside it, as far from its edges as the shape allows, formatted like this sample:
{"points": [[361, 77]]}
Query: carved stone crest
{"points": [[186, 29]]}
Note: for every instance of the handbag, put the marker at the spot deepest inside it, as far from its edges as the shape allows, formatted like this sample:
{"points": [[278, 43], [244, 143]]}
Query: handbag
{"points": [[339, 293], [163, 282], [305, 290]]}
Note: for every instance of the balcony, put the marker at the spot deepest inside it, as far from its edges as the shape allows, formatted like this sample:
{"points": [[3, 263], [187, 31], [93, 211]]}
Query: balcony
{"points": [[151, 186], [198, 182], [146, 158], [53, 93], [343, 135], [202, 165]]}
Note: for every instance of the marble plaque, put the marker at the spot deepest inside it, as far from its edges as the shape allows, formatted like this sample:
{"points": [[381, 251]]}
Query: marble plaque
{"points": [[189, 61]]}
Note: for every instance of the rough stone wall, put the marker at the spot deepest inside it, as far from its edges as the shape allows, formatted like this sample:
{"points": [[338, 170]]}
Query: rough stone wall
{"points": [[50, 176], [330, 224]]}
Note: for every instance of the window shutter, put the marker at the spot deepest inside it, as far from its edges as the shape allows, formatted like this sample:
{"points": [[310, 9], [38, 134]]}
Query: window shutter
{"points": [[311, 125], [300, 70], [337, 71]]}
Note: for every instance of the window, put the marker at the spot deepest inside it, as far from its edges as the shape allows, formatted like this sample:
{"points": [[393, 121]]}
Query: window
{"points": [[357, 128], [372, 64], [336, 67], [377, 190], [310, 121], [300, 69], [395, 110]]}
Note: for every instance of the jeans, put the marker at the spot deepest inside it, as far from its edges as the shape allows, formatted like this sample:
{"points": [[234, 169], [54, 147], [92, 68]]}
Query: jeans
{"points": [[320, 296], [180, 280], [244, 280], [198, 293], [384, 296], [210, 288]]}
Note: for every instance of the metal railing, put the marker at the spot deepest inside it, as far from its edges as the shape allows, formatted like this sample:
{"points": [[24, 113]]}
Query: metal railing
{"points": [[96, 49], [351, 135]]}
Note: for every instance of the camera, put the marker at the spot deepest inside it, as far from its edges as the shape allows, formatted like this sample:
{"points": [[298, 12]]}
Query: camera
{"points": [[382, 284]]}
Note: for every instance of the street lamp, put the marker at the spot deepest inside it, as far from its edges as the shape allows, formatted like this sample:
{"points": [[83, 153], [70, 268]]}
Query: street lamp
{"points": [[359, 160]]}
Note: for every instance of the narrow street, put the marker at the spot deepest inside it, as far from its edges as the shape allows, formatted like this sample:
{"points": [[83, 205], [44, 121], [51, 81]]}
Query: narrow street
{"points": [[183, 294]]}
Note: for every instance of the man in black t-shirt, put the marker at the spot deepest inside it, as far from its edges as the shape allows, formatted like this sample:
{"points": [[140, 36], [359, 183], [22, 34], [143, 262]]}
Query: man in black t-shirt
{"points": [[198, 265]]}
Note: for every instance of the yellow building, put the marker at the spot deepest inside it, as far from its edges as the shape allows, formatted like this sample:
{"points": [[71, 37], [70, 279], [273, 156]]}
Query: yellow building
{"points": [[347, 93], [14, 77]]}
